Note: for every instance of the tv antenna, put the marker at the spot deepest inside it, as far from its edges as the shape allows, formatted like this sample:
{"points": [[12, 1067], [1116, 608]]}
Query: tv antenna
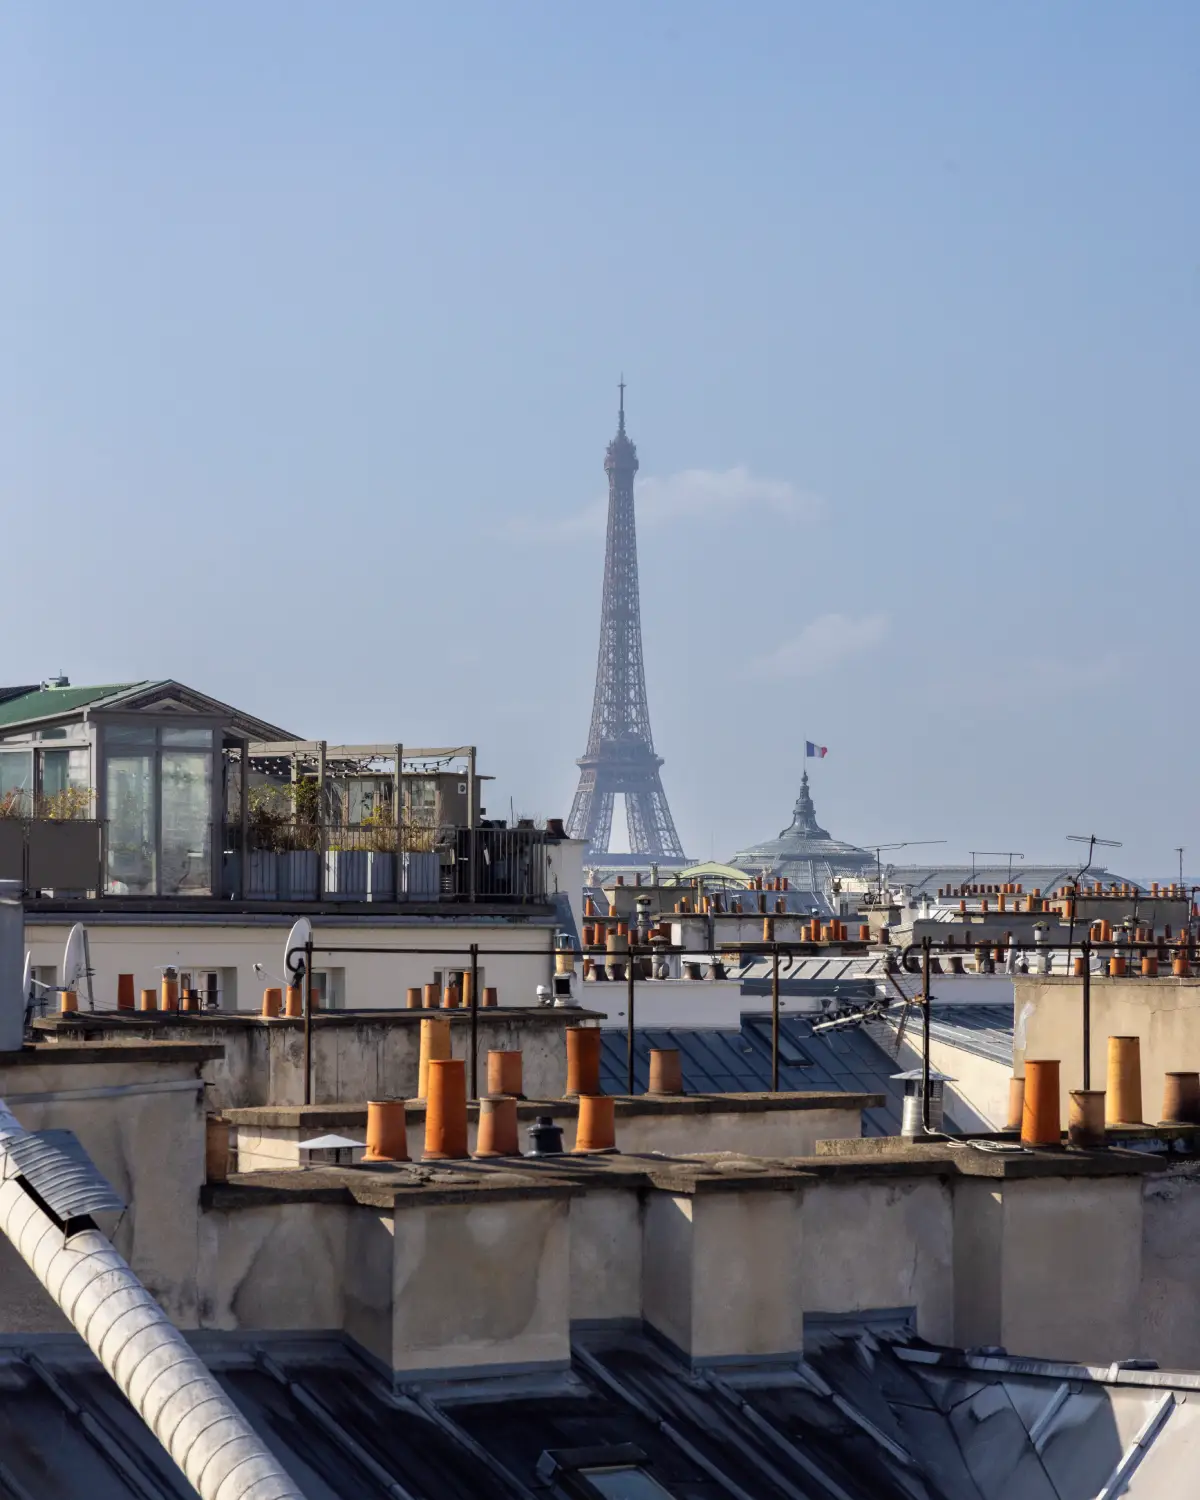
{"points": [[1009, 854], [878, 849], [1094, 842]]}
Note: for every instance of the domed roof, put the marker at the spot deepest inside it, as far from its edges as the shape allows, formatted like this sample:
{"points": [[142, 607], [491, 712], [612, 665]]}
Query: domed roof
{"points": [[804, 851]]}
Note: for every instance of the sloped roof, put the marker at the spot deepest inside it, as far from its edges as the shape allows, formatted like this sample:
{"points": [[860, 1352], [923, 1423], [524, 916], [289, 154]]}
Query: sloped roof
{"points": [[37, 704], [46, 703], [724, 1061], [867, 1413]]}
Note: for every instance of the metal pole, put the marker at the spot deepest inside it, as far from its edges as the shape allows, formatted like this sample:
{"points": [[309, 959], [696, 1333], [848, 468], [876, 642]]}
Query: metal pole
{"points": [[472, 816], [308, 968], [925, 1034], [1085, 949], [244, 824], [774, 1018], [629, 992], [474, 1020], [398, 809], [321, 820]]}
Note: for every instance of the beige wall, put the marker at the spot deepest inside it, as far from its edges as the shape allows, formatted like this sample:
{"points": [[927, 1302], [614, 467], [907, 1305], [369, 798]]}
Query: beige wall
{"points": [[1052, 1268], [1164, 1013], [277, 1266], [355, 1058], [1091, 1269], [774, 1133], [1072, 1268], [1170, 1285], [143, 1126], [372, 980], [879, 1244], [606, 1256], [481, 1284]]}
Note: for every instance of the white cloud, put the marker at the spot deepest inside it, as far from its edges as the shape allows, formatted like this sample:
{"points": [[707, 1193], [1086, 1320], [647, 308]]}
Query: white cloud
{"points": [[691, 494], [823, 644], [723, 492]]}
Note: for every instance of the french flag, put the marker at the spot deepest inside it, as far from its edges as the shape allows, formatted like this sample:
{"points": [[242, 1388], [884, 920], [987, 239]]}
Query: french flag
{"points": [[820, 751]]}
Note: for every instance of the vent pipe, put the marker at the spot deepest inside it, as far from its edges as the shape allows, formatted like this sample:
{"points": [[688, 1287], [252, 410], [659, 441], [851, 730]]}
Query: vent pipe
{"points": [[165, 1382]]}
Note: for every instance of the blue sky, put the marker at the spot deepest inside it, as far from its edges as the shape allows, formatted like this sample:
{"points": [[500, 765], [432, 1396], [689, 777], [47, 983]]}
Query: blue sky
{"points": [[313, 319]]}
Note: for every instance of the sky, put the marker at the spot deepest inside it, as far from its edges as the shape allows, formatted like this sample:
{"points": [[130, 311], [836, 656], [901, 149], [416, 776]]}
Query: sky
{"points": [[313, 317]]}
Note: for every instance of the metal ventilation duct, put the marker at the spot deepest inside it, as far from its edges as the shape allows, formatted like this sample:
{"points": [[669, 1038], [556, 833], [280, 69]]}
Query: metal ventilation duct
{"points": [[62, 1174], [164, 1380]]}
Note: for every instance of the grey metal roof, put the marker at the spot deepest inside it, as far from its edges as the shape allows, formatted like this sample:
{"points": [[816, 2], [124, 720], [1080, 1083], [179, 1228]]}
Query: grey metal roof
{"points": [[716, 1061], [986, 1030], [62, 1174], [862, 1415]]}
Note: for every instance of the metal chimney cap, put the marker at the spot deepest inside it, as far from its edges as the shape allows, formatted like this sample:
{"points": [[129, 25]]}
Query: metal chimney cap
{"points": [[915, 1075]]}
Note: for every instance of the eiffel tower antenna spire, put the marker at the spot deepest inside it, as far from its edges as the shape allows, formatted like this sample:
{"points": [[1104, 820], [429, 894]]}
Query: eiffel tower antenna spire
{"points": [[620, 757]]}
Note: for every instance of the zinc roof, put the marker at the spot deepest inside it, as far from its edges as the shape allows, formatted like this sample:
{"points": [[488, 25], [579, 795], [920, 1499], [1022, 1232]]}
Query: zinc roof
{"points": [[861, 1414], [720, 1061]]}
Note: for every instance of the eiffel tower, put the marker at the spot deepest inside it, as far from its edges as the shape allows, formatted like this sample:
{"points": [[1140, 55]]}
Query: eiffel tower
{"points": [[620, 754]]}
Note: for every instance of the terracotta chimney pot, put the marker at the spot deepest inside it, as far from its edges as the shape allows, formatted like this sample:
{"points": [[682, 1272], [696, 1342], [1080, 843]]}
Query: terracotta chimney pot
{"points": [[1124, 1104], [387, 1131], [1041, 1123], [504, 1074], [596, 1130], [446, 1110]]}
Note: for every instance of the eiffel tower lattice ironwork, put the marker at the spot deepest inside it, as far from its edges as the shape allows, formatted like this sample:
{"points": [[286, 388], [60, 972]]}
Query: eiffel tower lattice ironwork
{"points": [[620, 754]]}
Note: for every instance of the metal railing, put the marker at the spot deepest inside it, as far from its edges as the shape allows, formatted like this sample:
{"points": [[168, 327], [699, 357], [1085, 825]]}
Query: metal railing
{"points": [[304, 861]]}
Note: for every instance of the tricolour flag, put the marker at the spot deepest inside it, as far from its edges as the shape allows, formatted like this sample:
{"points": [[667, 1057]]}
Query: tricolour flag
{"points": [[818, 750]]}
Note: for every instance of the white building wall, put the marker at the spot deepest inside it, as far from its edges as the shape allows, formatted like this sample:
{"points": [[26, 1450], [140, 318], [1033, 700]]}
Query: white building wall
{"points": [[362, 980]]}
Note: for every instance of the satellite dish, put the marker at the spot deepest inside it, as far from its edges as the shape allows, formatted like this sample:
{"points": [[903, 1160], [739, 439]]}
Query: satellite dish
{"points": [[75, 965], [293, 950], [27, 977]]}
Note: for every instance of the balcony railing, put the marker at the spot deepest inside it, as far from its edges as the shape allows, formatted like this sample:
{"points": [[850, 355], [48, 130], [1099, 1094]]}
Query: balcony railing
{"points": [[302, 862], [283, 862]]}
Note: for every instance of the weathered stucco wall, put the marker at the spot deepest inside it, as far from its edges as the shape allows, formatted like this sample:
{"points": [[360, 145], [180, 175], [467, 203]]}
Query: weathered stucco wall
{"points": [[606, 1256], [766, 1132], [880, 1244], [278, 1266], [1088, 1268], [356, 1056], [481, 1284], [1169, 1310], [1072, 1268], [142, 1123], [1164, 1013]]}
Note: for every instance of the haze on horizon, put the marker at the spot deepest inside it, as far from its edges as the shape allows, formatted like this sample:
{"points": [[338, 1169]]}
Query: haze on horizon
{"points": [[314, 317]]}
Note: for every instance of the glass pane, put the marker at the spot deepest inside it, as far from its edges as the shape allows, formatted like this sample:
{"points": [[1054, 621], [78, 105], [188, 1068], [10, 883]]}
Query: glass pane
{"points": [[194, 739], [16, 783], [65, 787], [186, 824], [129, 795], [625, 1483], [128, 734]]}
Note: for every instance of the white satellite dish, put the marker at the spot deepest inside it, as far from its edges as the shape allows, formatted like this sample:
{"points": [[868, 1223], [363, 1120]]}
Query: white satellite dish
{"points": [[293, 950], [75, 958], [27, 978]]}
